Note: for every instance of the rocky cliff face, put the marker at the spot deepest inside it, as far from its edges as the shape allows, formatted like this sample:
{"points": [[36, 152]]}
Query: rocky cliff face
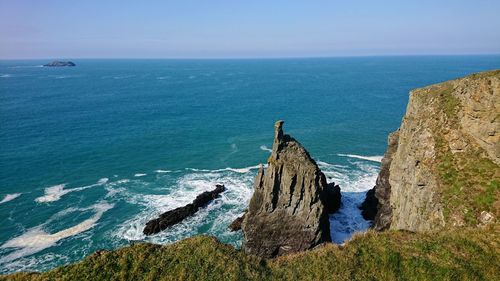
{"points": [[441, 167], [286, 213]]}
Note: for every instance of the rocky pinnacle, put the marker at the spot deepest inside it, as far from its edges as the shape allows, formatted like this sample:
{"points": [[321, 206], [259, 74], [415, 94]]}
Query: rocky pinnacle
{"points": [[286, 213]]}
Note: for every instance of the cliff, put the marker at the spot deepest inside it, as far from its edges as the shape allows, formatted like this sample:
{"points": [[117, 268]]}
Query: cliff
{"points": [[441, 168], [286, 213]]}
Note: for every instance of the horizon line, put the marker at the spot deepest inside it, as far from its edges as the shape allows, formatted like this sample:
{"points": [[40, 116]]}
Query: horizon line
{"points": [[256, 57]]}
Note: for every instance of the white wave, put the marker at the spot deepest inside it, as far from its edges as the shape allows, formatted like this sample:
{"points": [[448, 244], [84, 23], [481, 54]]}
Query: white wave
{"points": [[348, 219], [36, 239], [43, 262], [162, 77], [237, 170], [162, 171], [5, 76], [123, 181], [140, 175], [368, 158], [354, 183], [102, 181], [55, 192], [265, 148], [214, 217], [10, 197]]}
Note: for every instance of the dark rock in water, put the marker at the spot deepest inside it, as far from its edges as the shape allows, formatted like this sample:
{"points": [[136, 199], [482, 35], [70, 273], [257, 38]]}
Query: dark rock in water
{"points": [[175, 216], [286, 213], [236, 224], [60, 63], [331, 198], [369, 206]]}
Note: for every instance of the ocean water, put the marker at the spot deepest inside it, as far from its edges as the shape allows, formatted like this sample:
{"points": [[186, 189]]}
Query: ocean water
{"points": [[89, 154]]}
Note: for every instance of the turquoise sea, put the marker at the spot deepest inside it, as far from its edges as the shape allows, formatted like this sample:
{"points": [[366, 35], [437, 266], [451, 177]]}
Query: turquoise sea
{"points": [[89, 154]]}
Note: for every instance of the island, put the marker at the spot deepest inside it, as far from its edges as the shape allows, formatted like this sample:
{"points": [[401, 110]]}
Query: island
{"points": [[58, 63]]}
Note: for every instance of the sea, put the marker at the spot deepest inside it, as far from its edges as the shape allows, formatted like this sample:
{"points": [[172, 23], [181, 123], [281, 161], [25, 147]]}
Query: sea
{"points": [[89, 154]]}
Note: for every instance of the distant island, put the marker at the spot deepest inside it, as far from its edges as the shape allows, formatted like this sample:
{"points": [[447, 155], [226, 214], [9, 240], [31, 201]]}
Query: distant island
{"points": [[58, 63]]}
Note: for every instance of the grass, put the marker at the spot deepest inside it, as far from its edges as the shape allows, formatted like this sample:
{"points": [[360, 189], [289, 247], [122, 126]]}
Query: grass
{"points": [[472, 254], [469, 180]]}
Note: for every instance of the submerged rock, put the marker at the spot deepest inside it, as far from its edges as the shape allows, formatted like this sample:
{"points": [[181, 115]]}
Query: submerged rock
{"points": [[286, 213], [175, 216], [236, 224], [60, 63]]}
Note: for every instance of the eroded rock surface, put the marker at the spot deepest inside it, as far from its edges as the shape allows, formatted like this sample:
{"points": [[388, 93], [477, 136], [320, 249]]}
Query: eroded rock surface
{"points": [[441, 168], [286, 213]]}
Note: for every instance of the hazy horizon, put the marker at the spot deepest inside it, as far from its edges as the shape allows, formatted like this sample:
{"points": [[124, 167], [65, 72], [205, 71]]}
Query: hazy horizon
{"points": [[227, 29], [246, 58]]}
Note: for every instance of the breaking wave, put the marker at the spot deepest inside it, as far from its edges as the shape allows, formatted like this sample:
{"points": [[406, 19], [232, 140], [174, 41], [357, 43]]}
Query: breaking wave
{"points": [[367, 158], [54, 193], [162, 171], [354, 183], [236, 170], [10, 197], [265, 148], [36, 239], [213, 219]]}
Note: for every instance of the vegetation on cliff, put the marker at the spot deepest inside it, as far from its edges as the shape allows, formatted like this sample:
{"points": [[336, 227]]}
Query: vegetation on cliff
{"points": [[444, 167], [472, 254], [469, 178]]}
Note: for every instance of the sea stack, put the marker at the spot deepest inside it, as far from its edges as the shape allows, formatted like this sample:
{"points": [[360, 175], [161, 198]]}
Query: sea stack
{"points": [[286, 213]]}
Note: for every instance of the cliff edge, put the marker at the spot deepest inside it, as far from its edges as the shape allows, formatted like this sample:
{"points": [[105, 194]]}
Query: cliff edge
{"points": [[441, 168]]}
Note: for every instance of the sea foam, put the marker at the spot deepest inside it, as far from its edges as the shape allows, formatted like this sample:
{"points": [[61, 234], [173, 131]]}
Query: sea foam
{"points": [[214, 218], [368, 158], [36, 239], [265, 148], [55, 192], [10, 197], [354, 183]]}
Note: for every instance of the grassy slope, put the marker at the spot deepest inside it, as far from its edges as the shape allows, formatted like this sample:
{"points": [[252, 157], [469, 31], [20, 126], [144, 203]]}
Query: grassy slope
{"points": [[472, 254], [469, 181]]}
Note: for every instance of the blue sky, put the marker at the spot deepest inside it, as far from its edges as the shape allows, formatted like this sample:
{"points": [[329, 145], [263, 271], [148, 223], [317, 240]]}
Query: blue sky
{"points": [[246, 28]]}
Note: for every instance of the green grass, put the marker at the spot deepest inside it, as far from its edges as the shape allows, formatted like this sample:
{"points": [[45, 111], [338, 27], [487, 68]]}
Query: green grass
{"points": [[471, 254], [469, 180]]}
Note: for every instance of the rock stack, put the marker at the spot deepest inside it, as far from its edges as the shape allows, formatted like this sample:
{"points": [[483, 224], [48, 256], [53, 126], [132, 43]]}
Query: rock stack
{"points": [[287, 212]]}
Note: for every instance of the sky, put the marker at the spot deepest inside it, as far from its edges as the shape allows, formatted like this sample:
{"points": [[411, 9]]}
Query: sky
{"points": [[246, 28]]}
